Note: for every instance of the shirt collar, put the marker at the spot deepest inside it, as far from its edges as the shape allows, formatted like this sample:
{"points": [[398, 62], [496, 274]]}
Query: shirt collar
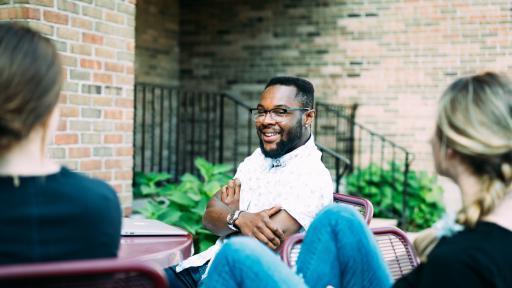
{"points": [[285, 159]]}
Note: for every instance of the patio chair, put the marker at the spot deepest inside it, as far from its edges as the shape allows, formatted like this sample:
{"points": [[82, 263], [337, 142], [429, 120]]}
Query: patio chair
{"points": [[362, 205], [291, 247], [111, 273], [393, 244]]}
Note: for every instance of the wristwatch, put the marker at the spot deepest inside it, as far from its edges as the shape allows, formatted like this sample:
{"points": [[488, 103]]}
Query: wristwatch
{"points": [[232, 217]]}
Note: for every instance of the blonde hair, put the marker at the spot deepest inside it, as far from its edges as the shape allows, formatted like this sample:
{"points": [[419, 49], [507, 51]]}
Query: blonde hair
{"points": [[475, 120]]}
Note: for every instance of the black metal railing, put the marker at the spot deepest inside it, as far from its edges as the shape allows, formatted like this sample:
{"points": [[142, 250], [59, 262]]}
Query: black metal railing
{"points": [[366, 150], [173, 127]]}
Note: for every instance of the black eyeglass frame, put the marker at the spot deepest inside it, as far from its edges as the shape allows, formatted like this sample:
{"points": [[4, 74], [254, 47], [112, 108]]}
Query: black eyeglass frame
{"points": [[256, 112]]}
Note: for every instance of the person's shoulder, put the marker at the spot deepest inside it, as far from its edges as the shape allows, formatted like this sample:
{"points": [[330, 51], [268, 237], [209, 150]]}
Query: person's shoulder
{"points": [[84, 185]]}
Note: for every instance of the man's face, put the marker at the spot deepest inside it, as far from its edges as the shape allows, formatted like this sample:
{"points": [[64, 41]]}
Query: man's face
{"points": [[279, 138]]}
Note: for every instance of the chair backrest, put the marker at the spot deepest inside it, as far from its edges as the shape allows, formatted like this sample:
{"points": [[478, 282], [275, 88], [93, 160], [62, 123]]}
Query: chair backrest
{"points": [[362, 205], [111, 273], [393, 244], [396, 249]]}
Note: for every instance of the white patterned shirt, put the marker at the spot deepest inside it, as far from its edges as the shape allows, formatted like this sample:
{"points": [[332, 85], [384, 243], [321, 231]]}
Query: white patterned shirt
{"points": [[298, 182]]}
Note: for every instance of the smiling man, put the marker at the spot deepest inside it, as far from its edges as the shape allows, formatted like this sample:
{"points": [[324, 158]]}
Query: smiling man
{"points": [[276, 191]]}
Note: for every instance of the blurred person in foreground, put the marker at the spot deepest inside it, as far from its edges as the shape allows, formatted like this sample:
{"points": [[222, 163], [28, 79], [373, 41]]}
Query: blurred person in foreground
{"points": [[472, 145], [48, 212]]}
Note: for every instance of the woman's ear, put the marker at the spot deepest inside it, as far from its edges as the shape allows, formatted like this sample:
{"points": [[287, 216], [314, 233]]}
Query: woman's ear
{"points": [[451, 154]]}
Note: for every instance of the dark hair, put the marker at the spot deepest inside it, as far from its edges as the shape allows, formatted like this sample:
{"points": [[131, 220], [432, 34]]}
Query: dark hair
{"points": [[305, 90], [30, 82]]}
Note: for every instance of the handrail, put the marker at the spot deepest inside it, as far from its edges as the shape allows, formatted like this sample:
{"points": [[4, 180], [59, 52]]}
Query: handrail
{"points": [[330, 108]]}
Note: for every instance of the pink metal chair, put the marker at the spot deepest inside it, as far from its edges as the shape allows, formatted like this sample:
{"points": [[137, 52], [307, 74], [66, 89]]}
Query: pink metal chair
{"points": [[393, 244], [291, 247], [362, 205], [111, 273], [397, 250]]}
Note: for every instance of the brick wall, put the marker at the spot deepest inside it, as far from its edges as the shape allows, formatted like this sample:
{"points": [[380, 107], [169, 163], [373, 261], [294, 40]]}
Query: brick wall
{"points": [[157, 50], [96, 41], [393, 57]]}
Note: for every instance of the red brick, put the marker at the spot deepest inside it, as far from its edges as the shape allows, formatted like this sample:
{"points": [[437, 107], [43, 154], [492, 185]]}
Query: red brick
{"points": [[56, 17], [129, 69], [114, 67], [124, 151], [81, 49], [124, 175], [114, 17], [127, 127], [113, 114], [68, 60], [130, 46], [124, 80], [69, 111], [124, 102], [128, 115], [103, 101], [90, 64], [103, 175], [66, 139], [82, 23], [118, 163], [20, 13], [102, 78], [79, 152], [92, 38], [104, 53], [112, 138], [118, 188], [63, 125], [68, 34], [89, 165]]}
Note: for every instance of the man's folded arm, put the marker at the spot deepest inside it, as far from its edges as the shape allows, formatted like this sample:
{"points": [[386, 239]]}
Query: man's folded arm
{"points": [[214, 218]]}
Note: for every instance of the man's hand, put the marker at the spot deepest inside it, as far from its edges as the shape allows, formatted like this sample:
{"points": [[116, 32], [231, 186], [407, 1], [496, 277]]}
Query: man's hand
{"points": [[259, 226], [230, 194]]}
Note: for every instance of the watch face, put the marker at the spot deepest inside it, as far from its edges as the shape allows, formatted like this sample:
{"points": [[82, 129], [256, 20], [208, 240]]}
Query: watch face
{"points": [[230, 218]]}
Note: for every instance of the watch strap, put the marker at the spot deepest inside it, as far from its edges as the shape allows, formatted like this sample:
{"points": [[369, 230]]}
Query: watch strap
{"points": [[232, 217]]}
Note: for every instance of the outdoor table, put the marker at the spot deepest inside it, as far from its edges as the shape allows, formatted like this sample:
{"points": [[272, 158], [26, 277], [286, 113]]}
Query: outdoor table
{"points": [[163, 251]]}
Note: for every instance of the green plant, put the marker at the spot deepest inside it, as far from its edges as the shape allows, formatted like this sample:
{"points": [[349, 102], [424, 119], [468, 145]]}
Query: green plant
{"points": [[183, 204], [383, 186]]}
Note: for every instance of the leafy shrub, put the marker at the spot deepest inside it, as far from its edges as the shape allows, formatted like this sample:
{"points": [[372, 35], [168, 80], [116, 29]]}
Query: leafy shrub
{"points": [[183, 204], [384, 188]]}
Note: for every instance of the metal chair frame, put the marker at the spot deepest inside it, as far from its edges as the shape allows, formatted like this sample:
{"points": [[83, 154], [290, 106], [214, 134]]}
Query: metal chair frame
{"points": [[364, 206], [394, 245], [54, 274]]}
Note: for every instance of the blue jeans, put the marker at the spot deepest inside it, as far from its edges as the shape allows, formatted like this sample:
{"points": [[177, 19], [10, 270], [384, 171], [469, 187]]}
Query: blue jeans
{"points": [[338, 250]]}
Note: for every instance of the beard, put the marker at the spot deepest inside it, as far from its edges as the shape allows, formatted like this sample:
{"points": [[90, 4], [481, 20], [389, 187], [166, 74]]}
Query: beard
{"points": [[294, 135]]}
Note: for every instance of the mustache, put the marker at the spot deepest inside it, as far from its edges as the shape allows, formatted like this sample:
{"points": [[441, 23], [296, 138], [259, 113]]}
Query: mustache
{"points": [[269, 130]]}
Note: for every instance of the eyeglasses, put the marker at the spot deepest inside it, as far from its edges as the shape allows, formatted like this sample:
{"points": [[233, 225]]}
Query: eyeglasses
{"points": [[276, 114]]}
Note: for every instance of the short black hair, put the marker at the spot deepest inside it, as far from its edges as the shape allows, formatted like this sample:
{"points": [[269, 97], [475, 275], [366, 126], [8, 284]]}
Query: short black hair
{"points": [[305, 90]]}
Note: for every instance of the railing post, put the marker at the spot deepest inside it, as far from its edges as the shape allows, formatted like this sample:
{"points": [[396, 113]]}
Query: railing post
{"points": [[338, 176], [221, 129], [352, 137], [404, 195]]}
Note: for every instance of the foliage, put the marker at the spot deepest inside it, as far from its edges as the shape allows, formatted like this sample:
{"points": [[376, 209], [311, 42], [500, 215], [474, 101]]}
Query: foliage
{"points": [[183, 204], [383, 186]]}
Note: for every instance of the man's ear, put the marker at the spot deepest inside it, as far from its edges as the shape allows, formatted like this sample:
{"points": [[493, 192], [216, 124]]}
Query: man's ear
{"points": [[309, 117]]}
